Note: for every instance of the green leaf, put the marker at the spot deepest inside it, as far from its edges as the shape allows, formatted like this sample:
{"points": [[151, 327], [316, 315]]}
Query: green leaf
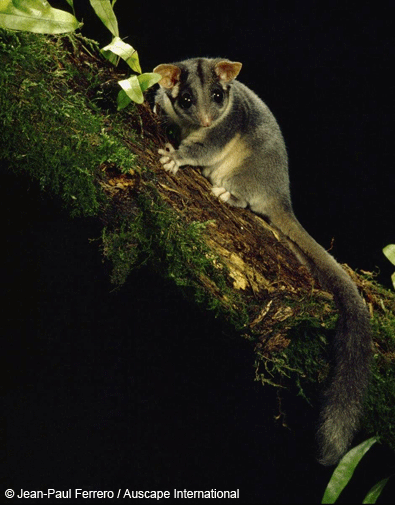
{"points": [[35, 16], [124, 51], [132, 88], [375, 492], [148, 79], [389, 252], [122, 100], [110, 56], [344, 471], [105, 12]]}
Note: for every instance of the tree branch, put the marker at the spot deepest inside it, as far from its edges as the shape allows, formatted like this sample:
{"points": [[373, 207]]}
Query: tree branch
{"points": [[60, 126]]}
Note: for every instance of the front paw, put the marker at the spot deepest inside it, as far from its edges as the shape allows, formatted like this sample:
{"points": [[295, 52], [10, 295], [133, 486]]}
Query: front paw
{"points": [[225, 195], [221, 193], [168, 159]]}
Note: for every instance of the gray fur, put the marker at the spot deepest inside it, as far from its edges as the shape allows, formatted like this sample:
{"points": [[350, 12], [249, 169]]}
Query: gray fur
{"points": [[240, 149]]}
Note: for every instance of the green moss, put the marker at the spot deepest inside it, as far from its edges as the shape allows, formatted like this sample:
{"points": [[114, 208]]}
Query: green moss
{"points": [[54, 129], [305, 364], [50, 129], [380, 401], [158, 236]]}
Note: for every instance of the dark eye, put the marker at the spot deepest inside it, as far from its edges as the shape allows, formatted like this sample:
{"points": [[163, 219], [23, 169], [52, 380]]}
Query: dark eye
{"points": [[185, 100], [218, 96]]}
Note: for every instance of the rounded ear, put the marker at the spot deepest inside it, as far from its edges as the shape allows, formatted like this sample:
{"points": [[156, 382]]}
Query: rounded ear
{"points": [[170, 75], [227, 70]]}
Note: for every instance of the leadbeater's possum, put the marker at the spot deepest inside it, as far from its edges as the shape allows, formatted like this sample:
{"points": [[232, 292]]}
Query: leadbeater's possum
{"points": [[229, 132]]}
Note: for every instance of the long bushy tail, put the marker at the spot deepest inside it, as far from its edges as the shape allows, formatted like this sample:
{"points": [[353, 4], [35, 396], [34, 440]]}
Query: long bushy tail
{"points": [[352, 346]]}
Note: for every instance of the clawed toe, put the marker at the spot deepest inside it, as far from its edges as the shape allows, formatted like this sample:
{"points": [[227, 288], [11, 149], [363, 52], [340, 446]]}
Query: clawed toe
{"points": [[221, 193], [218, 191]]}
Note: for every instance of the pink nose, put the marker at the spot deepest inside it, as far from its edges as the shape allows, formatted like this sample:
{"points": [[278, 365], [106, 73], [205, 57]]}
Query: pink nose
{"points": [[205, 120]]}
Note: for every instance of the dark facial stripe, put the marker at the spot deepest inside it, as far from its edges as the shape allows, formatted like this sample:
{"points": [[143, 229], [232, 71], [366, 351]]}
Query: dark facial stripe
{"points": [[200, 72]]}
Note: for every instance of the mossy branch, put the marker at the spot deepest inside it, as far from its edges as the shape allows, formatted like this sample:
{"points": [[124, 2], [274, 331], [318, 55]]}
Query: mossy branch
{"points": [[60, 125]]}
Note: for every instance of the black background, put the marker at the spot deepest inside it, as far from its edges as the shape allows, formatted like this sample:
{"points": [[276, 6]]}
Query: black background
{"points": [[138, 388]]}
